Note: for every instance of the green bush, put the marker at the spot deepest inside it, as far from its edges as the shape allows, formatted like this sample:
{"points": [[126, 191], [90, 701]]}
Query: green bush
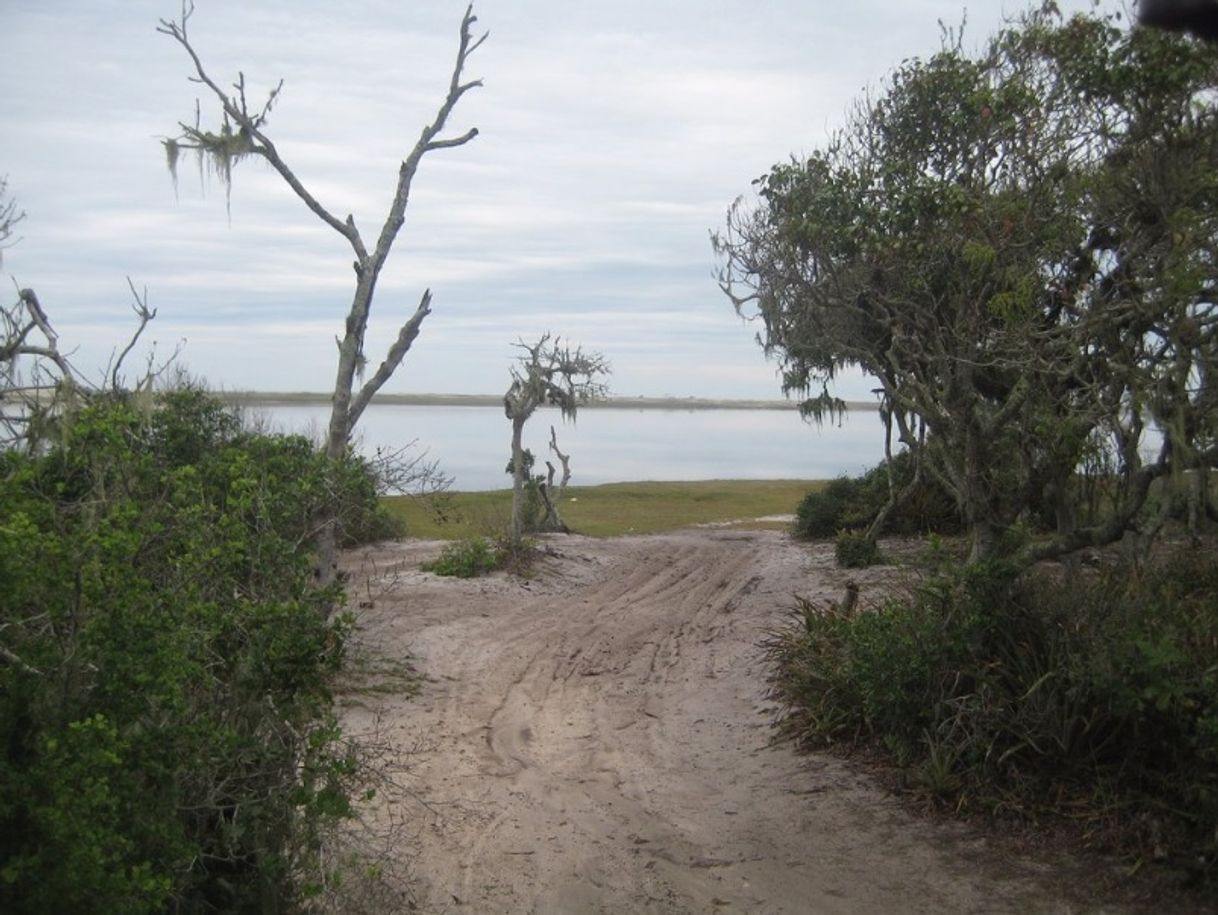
{"points": [[474, 556], [467, 558], [169, 742], [516, 555], [852, 503], [822, 512], [855, 550], [1006, 693]]}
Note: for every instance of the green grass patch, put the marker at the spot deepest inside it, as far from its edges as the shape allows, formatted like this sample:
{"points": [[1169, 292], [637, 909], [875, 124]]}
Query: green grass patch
{"points": [[610, 510]]}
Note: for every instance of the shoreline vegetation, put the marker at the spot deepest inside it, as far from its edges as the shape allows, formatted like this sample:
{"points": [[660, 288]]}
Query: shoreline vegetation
{"points": [[308, 398]]}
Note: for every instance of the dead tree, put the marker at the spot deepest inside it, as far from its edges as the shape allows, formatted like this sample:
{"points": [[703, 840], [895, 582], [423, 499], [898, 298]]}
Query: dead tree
{"points": [[242, 133], [548, 373], [38, 382], [550, 497], [39, 385], [564, 459]]}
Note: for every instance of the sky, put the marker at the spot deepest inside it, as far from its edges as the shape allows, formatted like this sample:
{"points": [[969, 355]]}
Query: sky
{"points": [[613, 136]]}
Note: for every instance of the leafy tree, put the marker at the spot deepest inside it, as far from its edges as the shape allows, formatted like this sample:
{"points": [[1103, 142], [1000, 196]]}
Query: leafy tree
{"points": [[241, 133], [1019, 247], [547, 373]]}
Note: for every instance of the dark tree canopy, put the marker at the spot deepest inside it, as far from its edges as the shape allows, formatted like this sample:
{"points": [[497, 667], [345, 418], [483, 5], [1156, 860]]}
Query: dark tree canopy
{"points": [[1197, 17], [1019, 247]]}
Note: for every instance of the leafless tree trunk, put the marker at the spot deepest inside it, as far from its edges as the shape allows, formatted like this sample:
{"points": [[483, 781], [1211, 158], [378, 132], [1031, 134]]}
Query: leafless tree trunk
{"points": [[564, 459], [242, 133], [551, 496], [518, 419]]}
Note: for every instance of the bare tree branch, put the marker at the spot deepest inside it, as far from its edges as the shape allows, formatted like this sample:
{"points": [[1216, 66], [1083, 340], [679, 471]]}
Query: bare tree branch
{"points": [[143, 315], [38, 380], [9, 217], [242, 132], [397, 352]]}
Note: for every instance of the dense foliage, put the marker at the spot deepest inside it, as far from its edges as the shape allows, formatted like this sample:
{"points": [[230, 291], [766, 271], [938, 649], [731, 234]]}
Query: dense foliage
{"points": [[1019, 247], [852, 503], [165, 712], [1095, 697], [855, 550]]}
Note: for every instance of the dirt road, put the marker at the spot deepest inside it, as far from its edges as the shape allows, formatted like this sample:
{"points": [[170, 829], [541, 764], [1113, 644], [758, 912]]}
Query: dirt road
{"points": [[597, 740]]}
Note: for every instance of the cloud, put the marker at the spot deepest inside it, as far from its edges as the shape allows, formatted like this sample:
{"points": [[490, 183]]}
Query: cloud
{"points": [[612, 139]]}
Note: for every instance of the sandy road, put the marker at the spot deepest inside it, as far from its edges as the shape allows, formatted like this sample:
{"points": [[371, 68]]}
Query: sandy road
{"points": [[597, 740]]}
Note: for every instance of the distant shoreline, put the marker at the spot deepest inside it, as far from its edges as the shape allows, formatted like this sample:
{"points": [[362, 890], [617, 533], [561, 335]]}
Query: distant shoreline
{"points": [[309, 398]]}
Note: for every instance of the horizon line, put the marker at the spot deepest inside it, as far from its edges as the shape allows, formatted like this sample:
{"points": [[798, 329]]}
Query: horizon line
{"points": [[632, 401]]}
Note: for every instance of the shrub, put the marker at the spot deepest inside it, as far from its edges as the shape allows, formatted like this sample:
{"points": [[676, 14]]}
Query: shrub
{"points": [[164, 699], [855, 550], [516, 554], [362, 516], [474, 556], [822, 511], [1012, 693], [466, 558], [848, 503]]}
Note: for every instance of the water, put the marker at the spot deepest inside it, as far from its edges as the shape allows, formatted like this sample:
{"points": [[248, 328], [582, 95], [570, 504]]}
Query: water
{"points": [[610, 445]]}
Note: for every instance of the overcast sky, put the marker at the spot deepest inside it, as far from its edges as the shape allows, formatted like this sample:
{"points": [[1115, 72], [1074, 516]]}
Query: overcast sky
{"points": [[613, 137]]}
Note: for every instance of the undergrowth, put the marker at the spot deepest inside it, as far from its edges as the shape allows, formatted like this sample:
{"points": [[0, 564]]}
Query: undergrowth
{"points": [[851, 503], [1094, 701], [855, 550], [166, 680], [467, 558], [474, 556]]}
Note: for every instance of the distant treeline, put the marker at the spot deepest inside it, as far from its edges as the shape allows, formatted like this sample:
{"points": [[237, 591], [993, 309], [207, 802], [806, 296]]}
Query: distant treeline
{"points": [[246, 398]]}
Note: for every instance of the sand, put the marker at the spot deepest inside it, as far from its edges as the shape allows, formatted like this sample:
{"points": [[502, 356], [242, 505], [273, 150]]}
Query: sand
{"points": [[598, 739]]}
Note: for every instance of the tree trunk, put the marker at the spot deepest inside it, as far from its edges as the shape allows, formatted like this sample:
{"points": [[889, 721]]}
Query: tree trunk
{"points": [[566, 463], [983, 539], [552, 523], [337, 438], [518, 476], [977, 509], [326, 543]]}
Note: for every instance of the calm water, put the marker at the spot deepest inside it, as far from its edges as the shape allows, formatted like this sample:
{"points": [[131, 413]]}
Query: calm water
{"points": [[610, 445]]}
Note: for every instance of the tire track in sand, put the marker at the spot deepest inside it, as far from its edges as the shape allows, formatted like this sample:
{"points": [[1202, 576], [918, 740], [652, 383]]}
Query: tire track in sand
{"points": [[600, 743]]}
